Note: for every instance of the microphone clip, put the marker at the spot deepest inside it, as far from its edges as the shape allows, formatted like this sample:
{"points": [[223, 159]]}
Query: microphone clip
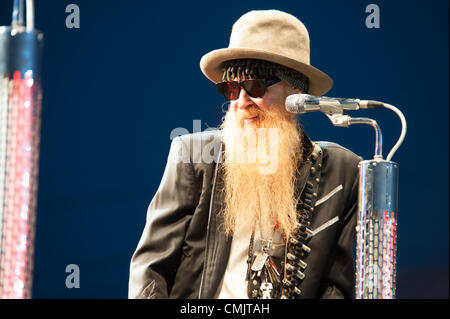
{"points": [[339, 119]]}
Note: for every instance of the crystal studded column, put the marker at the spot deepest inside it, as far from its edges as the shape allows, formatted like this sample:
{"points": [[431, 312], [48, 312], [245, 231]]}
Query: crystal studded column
{"points": [[20, 118], [377, 230]]}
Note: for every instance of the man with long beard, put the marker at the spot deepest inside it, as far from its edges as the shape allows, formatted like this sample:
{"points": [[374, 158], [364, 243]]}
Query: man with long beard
{"points": [[273, 214]]}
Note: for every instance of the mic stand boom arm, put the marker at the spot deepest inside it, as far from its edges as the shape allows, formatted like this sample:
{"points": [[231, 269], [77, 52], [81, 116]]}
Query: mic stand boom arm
{"points": [[345, 121]]}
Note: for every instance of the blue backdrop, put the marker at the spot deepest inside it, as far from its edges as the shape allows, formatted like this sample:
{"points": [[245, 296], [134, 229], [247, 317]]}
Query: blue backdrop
{"points": [[116, 87]]}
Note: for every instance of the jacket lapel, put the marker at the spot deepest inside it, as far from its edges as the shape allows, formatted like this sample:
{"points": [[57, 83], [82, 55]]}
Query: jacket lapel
{"points": [[217, 243]]}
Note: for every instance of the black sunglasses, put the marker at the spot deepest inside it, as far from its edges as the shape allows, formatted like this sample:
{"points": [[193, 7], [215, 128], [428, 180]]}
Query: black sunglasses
{"points": [[255, 88]]}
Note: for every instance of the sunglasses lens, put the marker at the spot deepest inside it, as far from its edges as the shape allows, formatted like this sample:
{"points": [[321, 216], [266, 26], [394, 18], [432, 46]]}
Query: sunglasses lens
{"points": [[254, 88], [230, 90]]}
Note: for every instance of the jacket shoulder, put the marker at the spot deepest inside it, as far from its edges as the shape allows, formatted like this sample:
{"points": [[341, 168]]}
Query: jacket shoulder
{"points": [[339, 151], [206, 136]]}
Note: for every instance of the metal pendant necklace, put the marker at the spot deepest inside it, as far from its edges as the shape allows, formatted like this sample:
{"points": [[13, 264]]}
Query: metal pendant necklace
{"points": [[263, 274]]}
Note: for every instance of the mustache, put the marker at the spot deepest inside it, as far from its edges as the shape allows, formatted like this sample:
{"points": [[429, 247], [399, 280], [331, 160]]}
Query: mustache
{"points": [[250, 112]]}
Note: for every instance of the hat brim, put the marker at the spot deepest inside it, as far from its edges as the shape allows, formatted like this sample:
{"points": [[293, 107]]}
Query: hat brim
{"points": [[211, 63]]}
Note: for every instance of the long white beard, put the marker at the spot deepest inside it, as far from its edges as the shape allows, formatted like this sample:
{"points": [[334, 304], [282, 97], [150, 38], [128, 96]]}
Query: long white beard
{"points": [[260, 171]]}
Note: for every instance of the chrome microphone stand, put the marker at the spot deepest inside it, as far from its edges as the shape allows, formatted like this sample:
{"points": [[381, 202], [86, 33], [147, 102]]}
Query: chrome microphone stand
{"points": [[376, 230]]}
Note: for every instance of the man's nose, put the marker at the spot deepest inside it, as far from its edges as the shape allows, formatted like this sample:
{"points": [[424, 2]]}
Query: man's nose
{"points": [[244, 100]]}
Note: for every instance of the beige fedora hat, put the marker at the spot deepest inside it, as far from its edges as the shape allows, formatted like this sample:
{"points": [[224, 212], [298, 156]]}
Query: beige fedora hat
{"points": [[273, 36]]}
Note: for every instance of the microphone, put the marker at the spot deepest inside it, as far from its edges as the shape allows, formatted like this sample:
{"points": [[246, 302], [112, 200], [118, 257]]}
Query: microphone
{"points": [[304, 103]]}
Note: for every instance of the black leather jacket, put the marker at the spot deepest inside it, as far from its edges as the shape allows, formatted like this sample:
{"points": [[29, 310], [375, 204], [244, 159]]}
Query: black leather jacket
{"points": [[181, 253]]}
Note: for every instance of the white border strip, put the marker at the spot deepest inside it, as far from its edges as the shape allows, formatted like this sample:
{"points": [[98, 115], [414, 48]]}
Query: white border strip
{"points": [[326, 225], [326, 197]]}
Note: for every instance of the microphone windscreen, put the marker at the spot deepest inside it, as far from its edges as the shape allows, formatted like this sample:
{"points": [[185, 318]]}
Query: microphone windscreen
{"points": [[295, 103]]}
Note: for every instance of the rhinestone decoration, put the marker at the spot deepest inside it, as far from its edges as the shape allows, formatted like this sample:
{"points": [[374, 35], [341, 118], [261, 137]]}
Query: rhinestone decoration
{"points": [[20, 108]]}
